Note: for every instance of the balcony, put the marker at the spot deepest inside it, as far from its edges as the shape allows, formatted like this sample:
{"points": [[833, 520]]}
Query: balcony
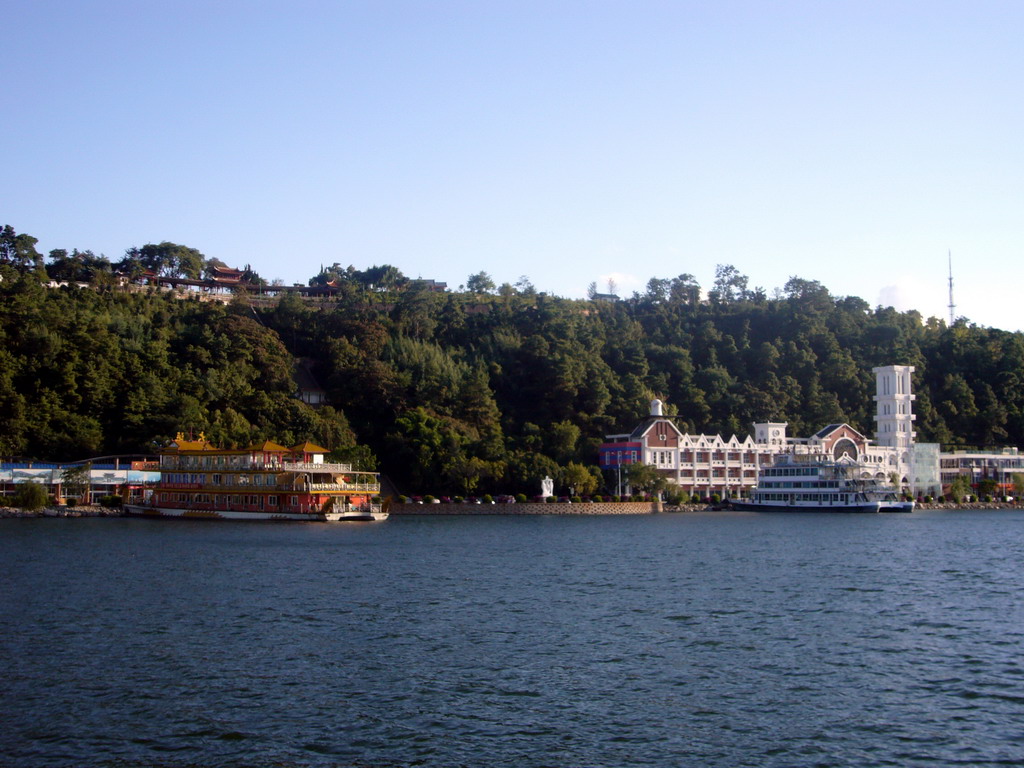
{"points": [[348, 487], [296, 466]]}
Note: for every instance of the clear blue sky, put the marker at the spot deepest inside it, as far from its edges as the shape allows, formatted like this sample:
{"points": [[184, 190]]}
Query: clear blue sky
{"points": [[853, 143]]}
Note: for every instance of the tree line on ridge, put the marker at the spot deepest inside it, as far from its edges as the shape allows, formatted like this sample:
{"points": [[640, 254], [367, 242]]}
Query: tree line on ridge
{"points": [[483, 388]]}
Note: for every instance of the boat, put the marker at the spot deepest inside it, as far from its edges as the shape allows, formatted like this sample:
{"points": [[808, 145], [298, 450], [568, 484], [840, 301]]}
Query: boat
{"points": [[809, 483], [361, 513], [265, 481], [889, 499]]}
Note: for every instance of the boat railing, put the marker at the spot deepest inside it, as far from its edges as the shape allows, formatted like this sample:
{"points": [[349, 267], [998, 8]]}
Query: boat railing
{"points": [[358, 487], [306, 466], [365, 506]]}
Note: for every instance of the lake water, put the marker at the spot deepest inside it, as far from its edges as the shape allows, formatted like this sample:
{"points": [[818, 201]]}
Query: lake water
{"points": [[718, 639]]}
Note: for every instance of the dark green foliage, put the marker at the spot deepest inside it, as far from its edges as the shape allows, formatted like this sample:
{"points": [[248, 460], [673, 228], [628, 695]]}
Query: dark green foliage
{"points": [[466, 392], [82, 267], [168, 259], [19, 251], [375, 278], [75, 480], [91, 372], [960, 488], [30, 495]]}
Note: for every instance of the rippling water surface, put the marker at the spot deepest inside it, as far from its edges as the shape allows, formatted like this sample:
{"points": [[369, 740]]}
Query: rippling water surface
{"points": [[673, 640]]}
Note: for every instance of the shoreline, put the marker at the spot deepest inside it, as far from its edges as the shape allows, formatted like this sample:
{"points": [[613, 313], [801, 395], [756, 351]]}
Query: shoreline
{"points": [[593, 509], [7, 513]]}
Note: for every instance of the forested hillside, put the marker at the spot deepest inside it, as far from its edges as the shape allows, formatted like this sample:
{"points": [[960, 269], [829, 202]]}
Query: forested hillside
{"points": [[488, 389]]}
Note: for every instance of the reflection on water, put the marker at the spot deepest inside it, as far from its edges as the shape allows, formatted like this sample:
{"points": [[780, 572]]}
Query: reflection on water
{"points": [[697, 639]]}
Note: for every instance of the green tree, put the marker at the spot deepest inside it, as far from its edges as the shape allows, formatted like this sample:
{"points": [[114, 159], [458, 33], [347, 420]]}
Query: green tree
{"points": [[525, 286], [20, 251], [415, 313], [467, 474], [333, 274], [30, 496], [1018, 485], [76, 266], [563, 437], [169, 259], [645, 478], [382, 278], [730, 286], [960, 488], [75, 480], [684, 290], [481, 282], [580, 479], [988, 486]]}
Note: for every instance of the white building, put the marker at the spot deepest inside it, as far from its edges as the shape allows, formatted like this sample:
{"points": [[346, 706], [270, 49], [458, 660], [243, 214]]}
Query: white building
{"points": [[704, 465], [894, 418], [710, 464]]}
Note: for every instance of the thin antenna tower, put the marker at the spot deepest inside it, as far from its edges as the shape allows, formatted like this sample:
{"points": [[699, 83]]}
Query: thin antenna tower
{"points": [[952, 306]]}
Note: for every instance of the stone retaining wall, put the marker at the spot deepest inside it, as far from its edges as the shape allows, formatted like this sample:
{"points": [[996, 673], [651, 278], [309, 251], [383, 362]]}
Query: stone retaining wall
{"points": [[971, 505], [90, 511], [531, 508]]}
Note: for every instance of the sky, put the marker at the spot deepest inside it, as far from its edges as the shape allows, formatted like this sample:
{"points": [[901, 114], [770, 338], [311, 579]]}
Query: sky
{"points": [[855, 143]]}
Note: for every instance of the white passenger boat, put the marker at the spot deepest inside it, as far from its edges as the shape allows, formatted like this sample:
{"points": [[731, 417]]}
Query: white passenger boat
{"points": [[809, 483]]}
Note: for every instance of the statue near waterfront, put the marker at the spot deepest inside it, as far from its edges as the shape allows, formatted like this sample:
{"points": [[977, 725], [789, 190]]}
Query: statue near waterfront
{"points": [[547, 487]]}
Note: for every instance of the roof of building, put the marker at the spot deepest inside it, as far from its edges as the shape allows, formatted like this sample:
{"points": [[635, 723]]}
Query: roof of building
{"points": [[644, 426], [308, 447], [268, 446], [200, 444], [823, 433]]}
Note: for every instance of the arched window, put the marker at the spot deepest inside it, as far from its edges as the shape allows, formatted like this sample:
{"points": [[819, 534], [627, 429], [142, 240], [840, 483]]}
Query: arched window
{"points": [[844, 447]]}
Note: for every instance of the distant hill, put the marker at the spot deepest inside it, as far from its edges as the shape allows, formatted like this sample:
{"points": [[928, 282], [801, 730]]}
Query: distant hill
{"points": [[454, 392]]}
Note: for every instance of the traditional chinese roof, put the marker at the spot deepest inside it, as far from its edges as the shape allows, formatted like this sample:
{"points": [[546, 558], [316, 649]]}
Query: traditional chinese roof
{"points": [[268, 447], [226, 275], [219, 271], [308, 447], [200, 444]]}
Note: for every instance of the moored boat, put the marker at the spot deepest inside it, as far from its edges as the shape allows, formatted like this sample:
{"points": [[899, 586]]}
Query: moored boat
{"points": [[808, 483], [889, 500], [363, 513], [262, 482]]}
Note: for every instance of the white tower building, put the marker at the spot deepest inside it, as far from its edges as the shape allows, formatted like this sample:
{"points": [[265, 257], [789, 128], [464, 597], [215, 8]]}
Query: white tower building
{"points": [[894, 417], [771, 433]]}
